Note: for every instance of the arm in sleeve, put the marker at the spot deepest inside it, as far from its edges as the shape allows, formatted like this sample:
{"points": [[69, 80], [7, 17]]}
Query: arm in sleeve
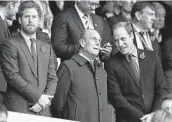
{"points": [[9, 62], [63, 86], [115, 95], [160, 85], [59, 38], [51, 75]]}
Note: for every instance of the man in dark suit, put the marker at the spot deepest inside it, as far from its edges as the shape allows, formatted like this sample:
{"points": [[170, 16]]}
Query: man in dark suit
{"points": [[28, 66], [8, 10], [67, 27], [135, 78]]}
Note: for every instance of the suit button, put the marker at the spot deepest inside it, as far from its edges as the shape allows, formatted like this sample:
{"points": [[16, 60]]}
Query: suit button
{"points": [[101, 109], [100, 93], [143, 96], [96, 78]]}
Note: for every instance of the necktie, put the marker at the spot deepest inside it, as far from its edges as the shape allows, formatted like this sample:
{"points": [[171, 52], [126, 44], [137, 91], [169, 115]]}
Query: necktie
{"points": [[133, 65], [33, 51], [145, 40], [86, 21]]}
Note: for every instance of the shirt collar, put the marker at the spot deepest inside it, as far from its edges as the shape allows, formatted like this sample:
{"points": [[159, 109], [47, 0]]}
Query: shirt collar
{"points": [[133, 52], [2, 16], [79, 11], [79, 59], [84, 57], [26, 37]]}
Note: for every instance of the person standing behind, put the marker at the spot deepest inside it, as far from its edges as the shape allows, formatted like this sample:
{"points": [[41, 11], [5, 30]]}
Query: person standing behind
{"points": [[67, 27], [143, 17], [28, 66], [135, 77], [159, 23], [125, 14], [8, 10], [81, 92]]}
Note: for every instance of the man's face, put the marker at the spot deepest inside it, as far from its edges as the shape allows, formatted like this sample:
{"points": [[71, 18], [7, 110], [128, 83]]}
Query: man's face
{"points": [[29, 20], [160, 18], [88, 7], [92, 43], [167, 105], [127, 5], [12, 10], [3, 117], [147, 18], [123, 41]]}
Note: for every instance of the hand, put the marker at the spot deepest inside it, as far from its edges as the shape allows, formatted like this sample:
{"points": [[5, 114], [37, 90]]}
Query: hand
{"points": [[36, 108], [106, 50], [147, 117], [44, 100]]}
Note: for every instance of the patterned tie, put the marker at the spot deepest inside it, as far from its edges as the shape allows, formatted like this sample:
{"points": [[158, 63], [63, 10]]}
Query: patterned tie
{"points": [[133, 65], [86, 23], [143, 34], [33, 51]]}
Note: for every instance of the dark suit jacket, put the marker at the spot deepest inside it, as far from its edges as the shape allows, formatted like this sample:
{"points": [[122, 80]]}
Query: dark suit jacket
{"points": [[4, 34], [25, 86], [167, 54], [66, 30], [81, 93], [132, 98]]}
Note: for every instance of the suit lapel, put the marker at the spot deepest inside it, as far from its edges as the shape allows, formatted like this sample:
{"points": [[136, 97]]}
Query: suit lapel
{"points": [[6, 29], [94, 20], [142, 62], [27, 53], [41, 52], [77, 19], [126, 64]]}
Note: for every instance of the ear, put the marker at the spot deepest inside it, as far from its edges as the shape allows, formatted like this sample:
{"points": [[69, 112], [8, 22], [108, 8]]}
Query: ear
{"points": [[138, 15], [10, 5], [19, 19], [82, 42]]}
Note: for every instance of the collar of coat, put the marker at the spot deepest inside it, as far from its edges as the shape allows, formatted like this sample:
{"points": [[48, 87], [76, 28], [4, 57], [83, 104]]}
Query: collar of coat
{"points": [[82, 61]]}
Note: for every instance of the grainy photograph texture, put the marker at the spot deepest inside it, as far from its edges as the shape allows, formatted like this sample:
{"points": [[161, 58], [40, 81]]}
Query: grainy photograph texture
{"points": [[86, 61]]}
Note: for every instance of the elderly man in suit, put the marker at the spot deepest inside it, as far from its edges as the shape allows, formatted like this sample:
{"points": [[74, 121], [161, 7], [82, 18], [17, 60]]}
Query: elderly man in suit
{"points": [[135, 77], [67, 27], [28, 66], [81, 92], [8, 10]]}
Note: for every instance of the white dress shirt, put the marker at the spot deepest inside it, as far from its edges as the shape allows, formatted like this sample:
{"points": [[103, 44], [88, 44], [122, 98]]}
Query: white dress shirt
{"points": [[83, 19], [28, 41], [139, 40]]}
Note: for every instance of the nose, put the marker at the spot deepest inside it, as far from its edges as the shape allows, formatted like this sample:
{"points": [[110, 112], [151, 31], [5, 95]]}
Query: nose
{"points": [[153, 17], [120, 43], [30, 19]]}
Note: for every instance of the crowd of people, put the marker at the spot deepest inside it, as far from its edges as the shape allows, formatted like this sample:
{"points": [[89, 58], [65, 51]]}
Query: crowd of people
{"points": [[115, 60]]}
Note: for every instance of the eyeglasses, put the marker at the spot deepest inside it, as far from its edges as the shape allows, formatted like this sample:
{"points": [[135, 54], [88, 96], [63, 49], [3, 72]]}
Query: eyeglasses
{"points": [[93, 4]]}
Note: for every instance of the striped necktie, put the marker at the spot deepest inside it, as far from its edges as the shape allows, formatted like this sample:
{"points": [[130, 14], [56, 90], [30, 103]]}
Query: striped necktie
{"points": [[86, 21], [33, 51]]}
